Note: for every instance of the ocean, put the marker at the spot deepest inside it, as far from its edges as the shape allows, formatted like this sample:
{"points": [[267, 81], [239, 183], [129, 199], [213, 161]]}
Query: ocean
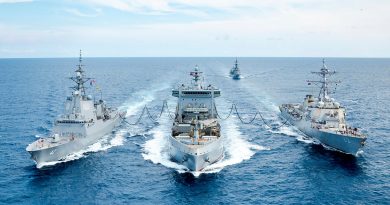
{"points": [[131, 165]]}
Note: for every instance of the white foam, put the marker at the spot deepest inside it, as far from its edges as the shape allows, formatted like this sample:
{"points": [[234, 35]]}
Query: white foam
{"points": [[119, 138], [360, 153], [287, 130], [140, 99], [156, 149], [237, 149], [305, 139], [103, 144], [293, 132], [134, 104]]}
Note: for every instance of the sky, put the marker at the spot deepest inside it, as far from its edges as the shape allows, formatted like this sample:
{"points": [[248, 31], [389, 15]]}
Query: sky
{"points": [[195, 28]]}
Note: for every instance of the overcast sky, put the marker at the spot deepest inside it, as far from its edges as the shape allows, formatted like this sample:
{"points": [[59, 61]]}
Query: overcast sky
{"points": [[277, 28]]}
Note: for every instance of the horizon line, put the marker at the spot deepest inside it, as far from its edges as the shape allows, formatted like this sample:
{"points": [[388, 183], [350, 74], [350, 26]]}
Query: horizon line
{"points": [[366, 57]]}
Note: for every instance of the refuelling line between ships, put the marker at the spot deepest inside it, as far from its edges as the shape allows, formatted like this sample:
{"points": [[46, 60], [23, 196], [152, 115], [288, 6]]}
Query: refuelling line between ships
{"points": [[196, 136], [164, 107]]}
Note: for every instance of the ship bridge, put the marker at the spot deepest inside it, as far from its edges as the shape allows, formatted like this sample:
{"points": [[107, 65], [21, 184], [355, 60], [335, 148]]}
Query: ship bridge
{"points": [[204, 93], [196, 101]]}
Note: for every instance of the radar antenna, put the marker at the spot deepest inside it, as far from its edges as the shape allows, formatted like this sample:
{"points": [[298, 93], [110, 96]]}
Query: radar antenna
{"points": [[80, 78], [197, 77], [324, 83]]}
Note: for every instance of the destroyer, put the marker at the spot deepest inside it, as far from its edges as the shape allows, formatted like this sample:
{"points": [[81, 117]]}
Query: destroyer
{"points": [[196, 141], [235, 72], [83, 123], [323, 118]]}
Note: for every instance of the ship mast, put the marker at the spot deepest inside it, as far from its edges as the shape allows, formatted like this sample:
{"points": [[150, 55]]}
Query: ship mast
{"points": [[196, 74], [324, 83], [80, 78]]}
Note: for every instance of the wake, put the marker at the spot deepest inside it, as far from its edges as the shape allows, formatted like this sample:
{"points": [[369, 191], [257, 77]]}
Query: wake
{"points": [[105, 143], [132, 106], [237, 148]]}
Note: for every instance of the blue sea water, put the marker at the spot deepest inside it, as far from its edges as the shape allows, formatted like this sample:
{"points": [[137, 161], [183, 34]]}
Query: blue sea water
{"points": [[261, 165]]}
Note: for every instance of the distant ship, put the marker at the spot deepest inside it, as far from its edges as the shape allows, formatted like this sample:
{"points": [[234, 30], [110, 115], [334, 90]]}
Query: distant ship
{"points": [[84, 122], [235, 72], [196, 140], [323, 118]]}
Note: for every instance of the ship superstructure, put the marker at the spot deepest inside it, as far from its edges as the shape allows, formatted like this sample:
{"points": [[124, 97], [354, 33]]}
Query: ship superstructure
{"points": [[323, 118], [83, 123], [235, 72], [196, 141]]}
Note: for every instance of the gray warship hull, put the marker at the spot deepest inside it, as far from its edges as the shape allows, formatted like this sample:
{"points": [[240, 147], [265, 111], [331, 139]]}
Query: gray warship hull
{"points": [[196, 157], [237, 77], [59, 152], [345, 143]]}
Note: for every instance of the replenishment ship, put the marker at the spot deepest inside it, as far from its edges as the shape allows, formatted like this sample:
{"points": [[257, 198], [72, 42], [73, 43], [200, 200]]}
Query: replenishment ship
{"points": [[196, 140]]}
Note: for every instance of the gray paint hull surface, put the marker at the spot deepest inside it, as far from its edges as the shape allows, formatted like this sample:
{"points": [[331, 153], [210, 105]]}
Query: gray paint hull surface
{"points": [[345, 143], [197, 158], [56, 153]]}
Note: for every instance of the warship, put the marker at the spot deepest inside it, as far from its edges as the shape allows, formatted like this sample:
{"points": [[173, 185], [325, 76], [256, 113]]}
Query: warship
{"points": [[235, 72], [196, 141], [83, 123], [323, 118]]}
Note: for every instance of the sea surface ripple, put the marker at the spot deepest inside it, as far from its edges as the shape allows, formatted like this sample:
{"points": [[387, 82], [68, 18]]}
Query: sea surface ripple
{"points": [[131, 166]]}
